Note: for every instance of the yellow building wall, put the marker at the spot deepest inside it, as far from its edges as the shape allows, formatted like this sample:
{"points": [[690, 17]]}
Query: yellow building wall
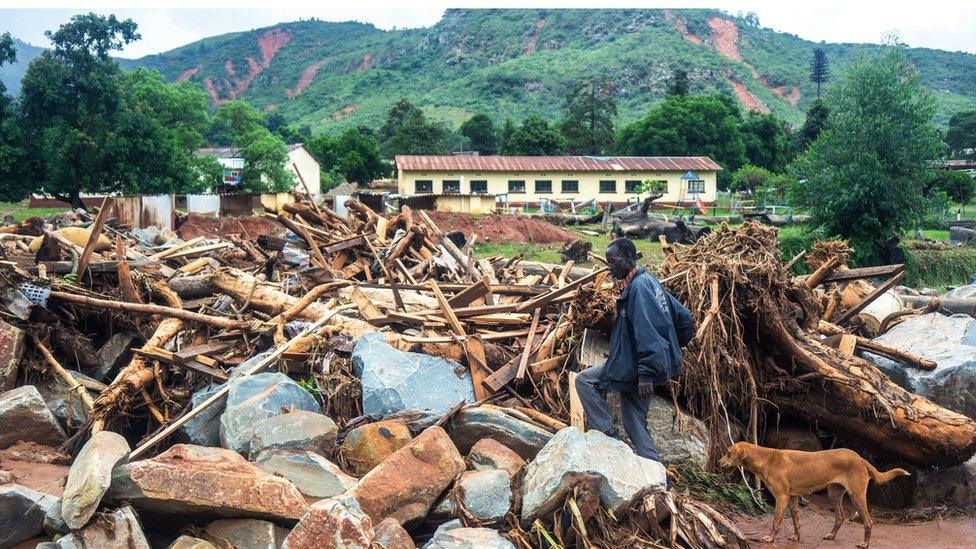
{"points": [[589, 184], [474, 204]]}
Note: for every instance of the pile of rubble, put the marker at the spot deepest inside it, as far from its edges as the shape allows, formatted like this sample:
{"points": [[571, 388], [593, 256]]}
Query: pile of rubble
{"points": [[365, 381]]}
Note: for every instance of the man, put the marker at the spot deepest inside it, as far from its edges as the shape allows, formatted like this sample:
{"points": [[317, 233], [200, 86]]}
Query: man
{"points": [[645, 350]]}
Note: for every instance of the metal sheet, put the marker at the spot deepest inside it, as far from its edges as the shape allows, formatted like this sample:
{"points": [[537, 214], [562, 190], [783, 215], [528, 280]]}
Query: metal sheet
{"points": [[449, 163], [158, 211], [203, 204]]}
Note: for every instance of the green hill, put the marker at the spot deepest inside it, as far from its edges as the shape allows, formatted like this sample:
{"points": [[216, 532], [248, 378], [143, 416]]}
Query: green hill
{"points": [[11, 74], [516, 62]]}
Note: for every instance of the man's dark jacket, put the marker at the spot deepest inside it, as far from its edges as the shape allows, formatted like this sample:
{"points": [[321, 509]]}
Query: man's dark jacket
{"points": [[648, 333]]}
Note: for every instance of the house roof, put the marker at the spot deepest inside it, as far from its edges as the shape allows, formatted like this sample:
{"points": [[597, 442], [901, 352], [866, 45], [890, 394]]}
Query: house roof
{"points": [[450, 163], [234, 152], [342, 189]]}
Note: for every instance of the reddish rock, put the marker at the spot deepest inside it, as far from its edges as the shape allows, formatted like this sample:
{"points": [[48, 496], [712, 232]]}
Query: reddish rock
{"points": [[365, 447], [407, 484], [206, 483], [335, 523], [488, 453], [11, 349], [390, 535]]}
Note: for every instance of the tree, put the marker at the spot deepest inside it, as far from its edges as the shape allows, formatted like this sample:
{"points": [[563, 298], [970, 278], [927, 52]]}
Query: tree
{"points": [[768, 141], [264, 153], [587, 124], [406, 130], [507, 130], [749, 178], [819, 74], [481, 134], [961, 134], [13, 150], [352, 156], [535, 137], [694, 125], [863, 179], [814, 124], [679, 84], [958, 186], [71, 101]]}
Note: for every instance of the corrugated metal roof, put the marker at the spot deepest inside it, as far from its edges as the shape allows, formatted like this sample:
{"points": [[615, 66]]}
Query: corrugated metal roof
{"points": [[235, 152], [448, 163]]}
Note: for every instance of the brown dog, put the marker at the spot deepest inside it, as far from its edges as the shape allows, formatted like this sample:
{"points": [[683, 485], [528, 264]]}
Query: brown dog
{"points": [[789, 474]]}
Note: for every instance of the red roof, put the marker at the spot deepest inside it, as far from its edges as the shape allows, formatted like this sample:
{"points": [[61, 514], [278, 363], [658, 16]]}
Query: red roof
{"points": [[448, 163]]}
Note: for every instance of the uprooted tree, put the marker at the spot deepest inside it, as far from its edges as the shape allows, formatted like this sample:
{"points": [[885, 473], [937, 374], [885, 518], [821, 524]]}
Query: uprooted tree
{"points": [[758, 349]]}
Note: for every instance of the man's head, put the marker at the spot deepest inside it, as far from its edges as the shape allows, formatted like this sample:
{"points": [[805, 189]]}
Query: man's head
{"points": [[621, 257]]}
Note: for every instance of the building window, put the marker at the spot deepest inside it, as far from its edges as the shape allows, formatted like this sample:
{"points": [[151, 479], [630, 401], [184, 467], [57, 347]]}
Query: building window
{"points": [[608, 186], [632, 186], [696, 186], [516, 186], [451, 186], [543, 186], [479, 187], [570, 186], [423, 186]]}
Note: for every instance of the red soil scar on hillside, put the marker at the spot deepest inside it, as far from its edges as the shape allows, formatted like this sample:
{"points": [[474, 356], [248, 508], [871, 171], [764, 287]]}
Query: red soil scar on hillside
{"points": [[304, 80], [682, 27], [343, 112], [269, 44], [748, 100], [185, 75], [530, 47], [367, 61]]}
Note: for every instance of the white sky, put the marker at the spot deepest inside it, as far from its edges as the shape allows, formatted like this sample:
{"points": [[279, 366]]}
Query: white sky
{"points": [[942, 24]]}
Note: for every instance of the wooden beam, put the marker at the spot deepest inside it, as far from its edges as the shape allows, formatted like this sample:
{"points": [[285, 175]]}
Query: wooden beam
{"points": [[527, 351], [474, 350], [577, 417], [889, 284], [471, 293], [545, 299], [452, 319], [96, 231], [863, 272]]}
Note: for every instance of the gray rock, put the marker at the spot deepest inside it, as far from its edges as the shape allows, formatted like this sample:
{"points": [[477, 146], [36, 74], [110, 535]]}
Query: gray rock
{"points": [[119, 530], [470, 425], [394, 380], [572, 454], [312, 474], [388, 534], [54, 524], [11, 349], [299, 430], [452, 535], [677, 440], [204, 429], [486, 495], [246, 533], [25, 416], [190, 542], [22, 513], [967, 290], [951, 486], [65, 404], [488, 453], [90, 477], [114, 354], [951, 343], [258, 397]]}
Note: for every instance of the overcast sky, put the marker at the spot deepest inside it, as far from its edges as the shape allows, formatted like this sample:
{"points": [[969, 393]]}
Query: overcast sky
{"points": [[942, 24]]}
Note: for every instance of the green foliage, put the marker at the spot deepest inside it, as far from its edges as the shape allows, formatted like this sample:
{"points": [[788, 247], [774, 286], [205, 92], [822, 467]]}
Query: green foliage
{"points": [[961, 134], [587, 124], [862, 179], [748, 178], [679, 84], [958, 186], [534, 137], [713, 488], [652, 186], [352, 156], [481, 134], [695, 125], [819, 73], [264, 153], [13, 150], [507, 130], [768, 141], [408, 131], [814, 124]]}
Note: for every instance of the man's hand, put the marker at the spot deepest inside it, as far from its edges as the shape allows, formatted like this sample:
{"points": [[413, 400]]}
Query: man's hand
{"points": [[644, 387]]}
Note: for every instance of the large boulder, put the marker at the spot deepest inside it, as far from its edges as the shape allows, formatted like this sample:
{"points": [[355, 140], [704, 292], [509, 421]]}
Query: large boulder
{"points": [[677, 439], [11, 349], [245, 534], [190, 542], [25, 416], [486, 495], [256, 397], [118, 530], [366, 446], [312, 474], [488, 453], [298, 430], [22, 513], [394, 380], [90, 477], [470, 425], [114, 354], [406, 484], [205, 483], [64, 402], [390, 535], [948, 340], [572, 455], [336, 523], [452, 535], [203, 429]]}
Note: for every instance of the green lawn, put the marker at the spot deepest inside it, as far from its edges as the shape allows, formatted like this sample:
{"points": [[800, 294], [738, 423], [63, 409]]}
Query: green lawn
{"points": [[20, 211]]}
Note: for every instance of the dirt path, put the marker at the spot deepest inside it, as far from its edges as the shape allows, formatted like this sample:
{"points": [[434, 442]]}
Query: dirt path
{"points": [[816, 520]]}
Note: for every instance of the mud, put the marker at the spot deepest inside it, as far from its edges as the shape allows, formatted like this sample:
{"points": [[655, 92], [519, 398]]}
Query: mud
{"points": [[207, 227], [37, 467], [502, 228]]}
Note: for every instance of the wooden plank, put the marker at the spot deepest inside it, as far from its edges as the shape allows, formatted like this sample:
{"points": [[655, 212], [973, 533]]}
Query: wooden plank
{"points": [[173, 249], [366, 306], [96, 231], [474, 350], [191, 353], [452, 319], [863, 272], [577, 417], [889, 284], [545, 299], [524, 363], [346, 243], [471, 293], [848, 343], [543, 366], [497, 380]]}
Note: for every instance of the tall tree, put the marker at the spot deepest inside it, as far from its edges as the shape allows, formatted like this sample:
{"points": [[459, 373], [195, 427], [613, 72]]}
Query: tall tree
{"points": [[71, 100], [481, 134], [353, 156], [819, 74], [507, 130], [768, 141], [961, 134], [814, 123], [406, 130], [587, 124], [13, 149], [535, 137], [264, 153], [864, 178], [679, 84]]}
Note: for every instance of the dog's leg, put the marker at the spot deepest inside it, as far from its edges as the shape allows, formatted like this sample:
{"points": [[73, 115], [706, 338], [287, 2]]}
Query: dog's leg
{"points": [[861, 502], [795, 513], [781, 503], [836, 494]]}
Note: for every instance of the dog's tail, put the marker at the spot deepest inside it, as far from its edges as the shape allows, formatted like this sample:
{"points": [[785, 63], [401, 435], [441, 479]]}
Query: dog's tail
{"points": [[881, 478]]}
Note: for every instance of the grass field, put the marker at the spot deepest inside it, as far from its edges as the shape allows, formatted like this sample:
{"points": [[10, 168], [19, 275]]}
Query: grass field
{"points": [[20, 211]]}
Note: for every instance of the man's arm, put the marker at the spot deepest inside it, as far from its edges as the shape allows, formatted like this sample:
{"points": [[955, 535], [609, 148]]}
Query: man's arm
{"points": [[684, 325]]}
